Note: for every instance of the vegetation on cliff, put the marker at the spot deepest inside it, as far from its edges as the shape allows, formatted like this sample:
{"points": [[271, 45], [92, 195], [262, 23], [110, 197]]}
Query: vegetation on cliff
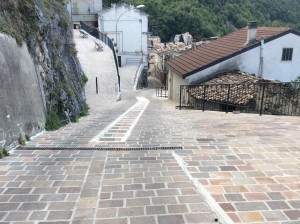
{"points": [[206, 18], [45, 27], [19, 18]]}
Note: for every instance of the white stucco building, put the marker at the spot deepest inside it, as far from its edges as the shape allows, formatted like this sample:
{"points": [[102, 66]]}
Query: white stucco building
{"points": [[128, 26], [85, 11], [267, 52]]}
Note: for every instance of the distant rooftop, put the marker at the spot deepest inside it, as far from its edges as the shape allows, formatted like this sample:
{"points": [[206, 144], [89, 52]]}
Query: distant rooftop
{"points": [[221, 50]]}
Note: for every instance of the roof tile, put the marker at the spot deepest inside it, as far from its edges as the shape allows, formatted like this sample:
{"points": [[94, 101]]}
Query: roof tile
{"points": [[190, 62]]}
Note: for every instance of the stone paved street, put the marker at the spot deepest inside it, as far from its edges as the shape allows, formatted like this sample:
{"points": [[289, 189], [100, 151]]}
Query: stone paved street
{"points": [[246, 164], [171, 166], [97, 187]]}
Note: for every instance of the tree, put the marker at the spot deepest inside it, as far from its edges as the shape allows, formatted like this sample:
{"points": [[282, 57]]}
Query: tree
{"points": [[204, 18], [181, 38]]}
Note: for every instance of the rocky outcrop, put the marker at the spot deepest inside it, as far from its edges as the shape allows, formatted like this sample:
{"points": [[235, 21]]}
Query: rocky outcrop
{"points": [[50, 80]]}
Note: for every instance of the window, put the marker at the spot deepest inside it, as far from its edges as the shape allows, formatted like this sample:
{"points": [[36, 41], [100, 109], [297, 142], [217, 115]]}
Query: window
{"points": [[287, 54]]}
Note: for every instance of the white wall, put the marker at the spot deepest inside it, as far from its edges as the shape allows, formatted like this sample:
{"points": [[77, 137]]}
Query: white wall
{"points": [[174, 82], [132, 28], [273, 68], [98, 6]]}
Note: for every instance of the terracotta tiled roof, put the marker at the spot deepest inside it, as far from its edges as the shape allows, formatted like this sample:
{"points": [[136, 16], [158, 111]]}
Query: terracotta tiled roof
{"points": [[233, 77], [242, 88], [221, 49]]}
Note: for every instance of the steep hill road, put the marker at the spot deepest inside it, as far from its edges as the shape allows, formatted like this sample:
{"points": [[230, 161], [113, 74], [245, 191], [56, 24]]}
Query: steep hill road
{"points": [[152, 163]]}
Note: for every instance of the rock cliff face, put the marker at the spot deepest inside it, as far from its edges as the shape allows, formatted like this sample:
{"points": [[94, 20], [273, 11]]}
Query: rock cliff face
{"points": [[49, 78], [57, 64], [22, 107]]}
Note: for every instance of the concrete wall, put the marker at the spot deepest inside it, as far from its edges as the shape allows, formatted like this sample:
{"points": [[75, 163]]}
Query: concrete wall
{"points": [[131, 34], [86, 6], [84, 10], [22, 108], [273, 67]]}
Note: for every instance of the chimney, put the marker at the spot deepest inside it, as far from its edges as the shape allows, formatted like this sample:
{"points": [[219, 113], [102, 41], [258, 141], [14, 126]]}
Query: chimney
{"points": [[251, 36]]}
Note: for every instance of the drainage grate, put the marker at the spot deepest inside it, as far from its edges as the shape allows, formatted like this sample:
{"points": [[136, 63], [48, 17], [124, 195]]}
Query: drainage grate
{"points": [[205, 140], [104, 149]]}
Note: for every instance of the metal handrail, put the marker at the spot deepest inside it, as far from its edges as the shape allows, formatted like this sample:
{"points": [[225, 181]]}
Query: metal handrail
{"points": [[105, 39], [258, 97], [162, 91]]}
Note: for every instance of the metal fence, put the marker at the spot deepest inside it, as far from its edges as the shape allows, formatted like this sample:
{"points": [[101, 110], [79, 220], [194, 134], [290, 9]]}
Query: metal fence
{"points": [[262, 98], [162, 91], [105, 39]]}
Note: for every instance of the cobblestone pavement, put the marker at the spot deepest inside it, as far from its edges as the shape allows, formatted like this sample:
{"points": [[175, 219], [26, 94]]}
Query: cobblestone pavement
{"points": [[244, 164], [238, 168], [71, 186]]}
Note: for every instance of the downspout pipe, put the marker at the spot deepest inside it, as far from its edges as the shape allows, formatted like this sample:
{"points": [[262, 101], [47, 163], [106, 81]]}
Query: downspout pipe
{"points": [[261, 59]]}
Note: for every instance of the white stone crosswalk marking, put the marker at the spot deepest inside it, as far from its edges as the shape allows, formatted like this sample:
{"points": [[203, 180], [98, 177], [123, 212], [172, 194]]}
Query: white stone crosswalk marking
{"points": [[121, 128]]}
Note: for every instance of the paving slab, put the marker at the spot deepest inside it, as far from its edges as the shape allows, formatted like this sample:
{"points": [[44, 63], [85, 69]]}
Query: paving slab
{"points": [[174, 166], [242, 180]]}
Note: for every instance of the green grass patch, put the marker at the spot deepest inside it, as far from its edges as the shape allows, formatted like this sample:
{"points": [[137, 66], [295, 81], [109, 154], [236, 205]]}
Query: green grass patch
{"points": [[53, 122]]}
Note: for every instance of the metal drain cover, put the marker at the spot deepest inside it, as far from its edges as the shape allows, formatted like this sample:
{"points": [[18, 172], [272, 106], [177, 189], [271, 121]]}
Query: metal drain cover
{"points": [[104, 149], [205, 139]]}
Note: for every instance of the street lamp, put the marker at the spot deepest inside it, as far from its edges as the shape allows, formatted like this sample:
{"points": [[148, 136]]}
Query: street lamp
{"points": [[137, 7]]}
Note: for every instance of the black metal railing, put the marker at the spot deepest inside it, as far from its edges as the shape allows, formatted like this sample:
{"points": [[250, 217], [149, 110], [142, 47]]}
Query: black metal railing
{"points": [[142, 81], [105, 39], [260, 97], [162, 91]]}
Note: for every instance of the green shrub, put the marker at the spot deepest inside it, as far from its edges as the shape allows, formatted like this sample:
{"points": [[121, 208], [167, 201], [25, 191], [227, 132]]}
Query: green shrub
{"points": [[64, 23], [66, 88], [84, 79], [27, 137], [85, 110], [72, 49], [5, 152], [75, 119], [21, 140], [53, 122], [57, 64]]}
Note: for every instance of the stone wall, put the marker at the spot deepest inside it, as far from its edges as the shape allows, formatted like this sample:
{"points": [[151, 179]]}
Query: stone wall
{"points": [[40, 73], [22, 109]]}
